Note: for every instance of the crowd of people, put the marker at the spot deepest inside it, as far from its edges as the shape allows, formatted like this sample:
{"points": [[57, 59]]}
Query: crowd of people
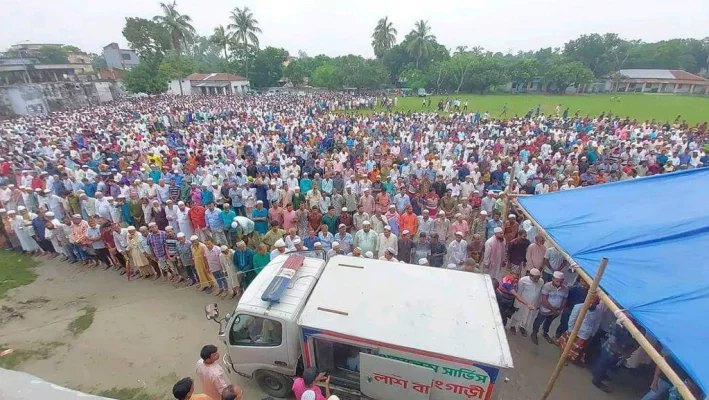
{"points": [[206, 190]]}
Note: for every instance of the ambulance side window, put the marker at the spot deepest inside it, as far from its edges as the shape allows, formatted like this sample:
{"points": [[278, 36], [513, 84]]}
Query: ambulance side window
{"points": [[341, 360], [249, 330]]}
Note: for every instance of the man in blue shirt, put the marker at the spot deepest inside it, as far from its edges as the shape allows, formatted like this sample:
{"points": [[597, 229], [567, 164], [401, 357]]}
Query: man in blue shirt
{"points": [[260, 217], [215, 223]]}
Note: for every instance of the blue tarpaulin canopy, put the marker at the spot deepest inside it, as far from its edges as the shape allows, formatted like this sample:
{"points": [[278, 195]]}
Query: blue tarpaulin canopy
{"points": [[655, 233]]}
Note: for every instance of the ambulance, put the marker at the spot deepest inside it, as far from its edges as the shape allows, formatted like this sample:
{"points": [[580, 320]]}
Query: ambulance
{"points": [[382, 330]]}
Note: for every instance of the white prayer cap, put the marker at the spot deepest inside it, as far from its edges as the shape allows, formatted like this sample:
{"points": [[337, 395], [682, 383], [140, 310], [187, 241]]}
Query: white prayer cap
{"points": [[2, 210], [223, 248], [308, 395], [367, 223], [558, 275], [459, 233], [369, 254], [180, 203], [441, 212], [11, 212], [152, 224], [317, 244], [193, 238], [391, 250], [21, 208], [511, 216], [405, 232], [452, 266], [47, 191], [344, 209], [392, 206], [534, 271], [297, 241], [483, 212], [423, 261], [132, 228], [335, 244], [180, 235], [497, 230], [387, 228], [49, 214], [280, 243]]}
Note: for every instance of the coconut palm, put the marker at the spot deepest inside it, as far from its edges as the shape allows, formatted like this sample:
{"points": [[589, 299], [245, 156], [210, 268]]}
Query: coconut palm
{"points": [[384, 37], [221, 37], [245, 29], [421, 43], [178, 25]]}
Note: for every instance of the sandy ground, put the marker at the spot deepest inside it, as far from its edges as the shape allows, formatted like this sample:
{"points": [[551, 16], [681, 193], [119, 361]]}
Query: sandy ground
{"points": [[148, 334]]}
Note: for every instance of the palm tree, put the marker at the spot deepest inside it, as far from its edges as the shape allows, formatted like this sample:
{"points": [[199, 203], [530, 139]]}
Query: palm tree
{"points": [[384, 37], [421, 41], [245, 29], [179, 26], [460, 49], [221, 37]]}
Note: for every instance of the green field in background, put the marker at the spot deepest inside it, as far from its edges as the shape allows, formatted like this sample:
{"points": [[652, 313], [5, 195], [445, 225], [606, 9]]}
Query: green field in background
{"points": [[662, 107]]}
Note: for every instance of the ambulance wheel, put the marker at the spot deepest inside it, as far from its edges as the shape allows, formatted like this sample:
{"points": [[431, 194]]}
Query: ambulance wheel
{"points": [[273, 383]]}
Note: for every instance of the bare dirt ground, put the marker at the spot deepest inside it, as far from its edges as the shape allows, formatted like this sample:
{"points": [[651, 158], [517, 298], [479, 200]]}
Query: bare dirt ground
{"points": [[94, 331]]}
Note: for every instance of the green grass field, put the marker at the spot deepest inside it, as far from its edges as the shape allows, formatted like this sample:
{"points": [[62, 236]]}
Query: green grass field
{"points": [[662, 107]]}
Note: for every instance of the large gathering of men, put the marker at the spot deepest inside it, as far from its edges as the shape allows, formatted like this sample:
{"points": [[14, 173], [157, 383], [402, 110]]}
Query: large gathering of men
{"points": [[205, 191]]}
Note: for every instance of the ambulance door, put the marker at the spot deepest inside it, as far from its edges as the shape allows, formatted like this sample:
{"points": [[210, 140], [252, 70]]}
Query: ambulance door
{"points": [[386, 379]]}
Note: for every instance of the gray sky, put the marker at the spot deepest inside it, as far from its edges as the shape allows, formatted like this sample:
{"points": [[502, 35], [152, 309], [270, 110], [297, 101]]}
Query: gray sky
{"points": [[336, 27]]}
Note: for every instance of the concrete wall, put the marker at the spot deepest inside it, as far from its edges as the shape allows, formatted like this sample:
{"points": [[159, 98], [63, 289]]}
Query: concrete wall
{"points": [[58, 96], [114, 58], [104, 91], [174, 87]]}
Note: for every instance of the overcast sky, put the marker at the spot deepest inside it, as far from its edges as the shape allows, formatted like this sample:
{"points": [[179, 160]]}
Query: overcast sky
{"points": [[337, 27]]}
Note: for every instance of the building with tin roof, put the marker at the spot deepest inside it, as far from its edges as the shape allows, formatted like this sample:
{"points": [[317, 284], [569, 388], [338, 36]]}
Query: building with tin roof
{"points": [[216, 83], [658, 81]]}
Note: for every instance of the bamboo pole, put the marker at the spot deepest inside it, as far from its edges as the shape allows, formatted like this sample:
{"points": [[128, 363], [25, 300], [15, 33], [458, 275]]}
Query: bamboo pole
{"points": [[577, 326], [645, 344]]}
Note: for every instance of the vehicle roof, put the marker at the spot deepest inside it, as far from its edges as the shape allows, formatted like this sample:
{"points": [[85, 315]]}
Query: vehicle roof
{"points": [[293, 298], [441, 311]]}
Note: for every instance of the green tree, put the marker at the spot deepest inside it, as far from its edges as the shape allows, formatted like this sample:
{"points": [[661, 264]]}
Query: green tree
{"points": [[384, 37], [420, 44], [414, 78], [178, 25], [52, 54], [206, 56], [437, 74], [326, 76], [486, 72], [245, 28], [145, 78], [296, 72], [177, 67], [98, 61], [221, 38], [522, 70], [591, 50], [268, 66], [148, 38], [564, 73]]}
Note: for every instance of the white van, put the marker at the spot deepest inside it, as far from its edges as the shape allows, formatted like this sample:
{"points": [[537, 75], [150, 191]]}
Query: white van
{"points": [[382, 330]]}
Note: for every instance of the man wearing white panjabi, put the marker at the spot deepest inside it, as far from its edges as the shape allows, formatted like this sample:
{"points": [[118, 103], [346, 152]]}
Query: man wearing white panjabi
{"points": [[171, 211], [457, 251], [183, 221], [529, 288], [495, 256]]}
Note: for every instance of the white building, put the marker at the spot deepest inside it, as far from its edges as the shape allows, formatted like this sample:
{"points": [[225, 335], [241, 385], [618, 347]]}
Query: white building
{"points": [[218, 83]]}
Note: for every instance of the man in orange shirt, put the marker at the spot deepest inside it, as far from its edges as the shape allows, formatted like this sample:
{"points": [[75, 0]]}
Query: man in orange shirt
{"points": [[408, 221]]}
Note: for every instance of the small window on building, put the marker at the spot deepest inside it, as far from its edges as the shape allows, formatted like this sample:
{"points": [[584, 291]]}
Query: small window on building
{"points": [[125, 56], [249, 330]]}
